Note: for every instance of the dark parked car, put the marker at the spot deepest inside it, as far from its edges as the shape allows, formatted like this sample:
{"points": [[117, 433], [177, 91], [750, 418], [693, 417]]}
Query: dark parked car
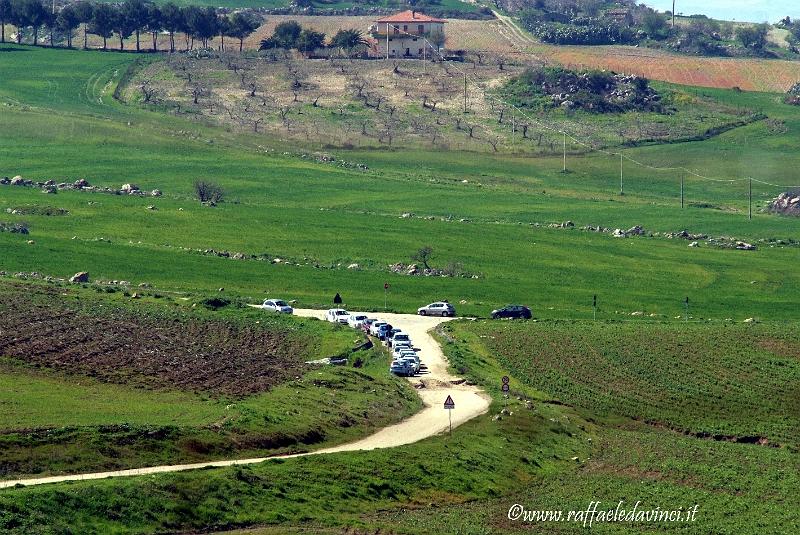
{"points": [[512, 311]]}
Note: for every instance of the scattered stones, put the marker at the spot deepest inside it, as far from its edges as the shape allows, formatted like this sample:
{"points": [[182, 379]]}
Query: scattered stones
{"points": [[81, 276], [354, 266], [81, 184], [151, 207], [744, 246], [750, 320], [407, 215], [694, 244], [14, 228]]}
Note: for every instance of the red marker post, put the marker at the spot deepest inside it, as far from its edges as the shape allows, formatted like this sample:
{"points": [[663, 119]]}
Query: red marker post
{"points": [[385, 294]]}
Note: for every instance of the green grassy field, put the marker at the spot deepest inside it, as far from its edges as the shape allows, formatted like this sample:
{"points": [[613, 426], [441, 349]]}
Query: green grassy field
{"points": [[59, 120], [68, 126]]}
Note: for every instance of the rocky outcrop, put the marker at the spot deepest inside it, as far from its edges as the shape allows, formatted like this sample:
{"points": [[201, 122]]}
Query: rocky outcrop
{"points": [[81, 276], [787, 203]]}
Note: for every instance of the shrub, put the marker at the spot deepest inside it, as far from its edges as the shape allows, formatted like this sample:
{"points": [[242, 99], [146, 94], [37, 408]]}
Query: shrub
{"points": [[215, 303], [208, 191]]}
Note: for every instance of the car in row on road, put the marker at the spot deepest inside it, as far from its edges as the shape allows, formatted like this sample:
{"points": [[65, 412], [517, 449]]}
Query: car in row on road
{"points": [[405, 359]]}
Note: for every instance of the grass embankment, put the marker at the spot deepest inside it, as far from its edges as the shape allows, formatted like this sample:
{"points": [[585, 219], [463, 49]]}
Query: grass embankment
{"points": [[482, 459], [97, 382], [713, 384]]}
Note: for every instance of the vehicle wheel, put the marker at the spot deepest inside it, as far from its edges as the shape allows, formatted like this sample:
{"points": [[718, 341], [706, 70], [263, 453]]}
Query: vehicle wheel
{"points": [[422, 312], [445, 314]]}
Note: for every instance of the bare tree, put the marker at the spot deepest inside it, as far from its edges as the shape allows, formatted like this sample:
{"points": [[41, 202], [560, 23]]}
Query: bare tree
{"points": [[423, 255], [149, 92]]}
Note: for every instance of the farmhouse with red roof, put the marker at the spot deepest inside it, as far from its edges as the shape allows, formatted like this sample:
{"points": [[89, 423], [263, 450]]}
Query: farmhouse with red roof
{"points": [[409, 34]]}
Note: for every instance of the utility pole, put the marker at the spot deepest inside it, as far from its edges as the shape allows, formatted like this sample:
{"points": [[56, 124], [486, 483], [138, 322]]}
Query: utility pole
{"points": [[686, 305], [594, 307], [673, 14], [465, 93], [750, 198], [621, 178], [387, 41], [681, 190], [564, 170]]}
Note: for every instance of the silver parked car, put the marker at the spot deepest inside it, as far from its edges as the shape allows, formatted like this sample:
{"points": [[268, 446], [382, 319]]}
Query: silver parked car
{"points": [[277, 305], [439, 308]]}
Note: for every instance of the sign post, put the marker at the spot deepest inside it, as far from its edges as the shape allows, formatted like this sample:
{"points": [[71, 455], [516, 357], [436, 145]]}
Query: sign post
{"points": [[385, 295], [505, 388], [449, 405], [686, 304], [594, 307]]}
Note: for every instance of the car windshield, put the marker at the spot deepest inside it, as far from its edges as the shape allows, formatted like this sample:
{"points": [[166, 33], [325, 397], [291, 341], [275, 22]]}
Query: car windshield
{"points": [[342, 313], [361, 318]]}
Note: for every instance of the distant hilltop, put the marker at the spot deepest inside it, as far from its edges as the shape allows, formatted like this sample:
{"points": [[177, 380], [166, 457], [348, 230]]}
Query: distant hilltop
{"points": [[738, 10]]}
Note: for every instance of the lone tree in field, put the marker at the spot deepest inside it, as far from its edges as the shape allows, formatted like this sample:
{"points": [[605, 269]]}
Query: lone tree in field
{"points": [[423, 256], [208, 192]]}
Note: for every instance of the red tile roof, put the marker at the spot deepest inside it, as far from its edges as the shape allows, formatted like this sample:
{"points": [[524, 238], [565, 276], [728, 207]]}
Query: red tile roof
{"points": [[408, 16]]}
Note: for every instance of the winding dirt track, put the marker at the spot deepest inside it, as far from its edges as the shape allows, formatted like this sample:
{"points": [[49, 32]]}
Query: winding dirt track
{"points": [[469, 400]]}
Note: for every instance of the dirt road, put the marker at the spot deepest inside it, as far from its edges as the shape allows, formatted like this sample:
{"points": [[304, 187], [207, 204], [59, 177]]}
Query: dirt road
{"points": [[434, 386]]}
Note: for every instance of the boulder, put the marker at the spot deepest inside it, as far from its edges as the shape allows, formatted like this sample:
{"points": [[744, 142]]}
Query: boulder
{"points": [[17, 181], [81, 276], [619, 233], [353, 266], [129, 188], [156, 193], [636, 231], [81, 183], [744, 246]]}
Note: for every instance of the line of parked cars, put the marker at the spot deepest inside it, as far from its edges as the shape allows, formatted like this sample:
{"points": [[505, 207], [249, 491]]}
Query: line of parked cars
{"points": [[438, 308], [405, 359]]}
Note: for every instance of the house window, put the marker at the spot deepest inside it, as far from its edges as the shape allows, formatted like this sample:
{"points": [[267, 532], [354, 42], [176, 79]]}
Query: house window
{"points": [[397, 29], [420, 52], [415, 39], [421, 28], [405, 27]]}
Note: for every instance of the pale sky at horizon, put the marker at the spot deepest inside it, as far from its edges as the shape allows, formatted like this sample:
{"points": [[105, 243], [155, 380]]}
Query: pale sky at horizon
{"points": [[742, 10]]}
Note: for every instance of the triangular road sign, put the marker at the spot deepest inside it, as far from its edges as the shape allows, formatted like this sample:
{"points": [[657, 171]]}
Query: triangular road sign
{"points": [[449, 404]]}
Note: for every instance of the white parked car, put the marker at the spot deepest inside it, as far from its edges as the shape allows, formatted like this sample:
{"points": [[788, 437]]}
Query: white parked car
{"points": [[399, 338], [277, 305], [411, 362], [402, 368], [356, 320], [376, 326], [439, 308], [337, 315]]}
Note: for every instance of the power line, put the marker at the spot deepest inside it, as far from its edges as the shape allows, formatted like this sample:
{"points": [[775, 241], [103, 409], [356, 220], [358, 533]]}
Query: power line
{"points": [[588, 143]]}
